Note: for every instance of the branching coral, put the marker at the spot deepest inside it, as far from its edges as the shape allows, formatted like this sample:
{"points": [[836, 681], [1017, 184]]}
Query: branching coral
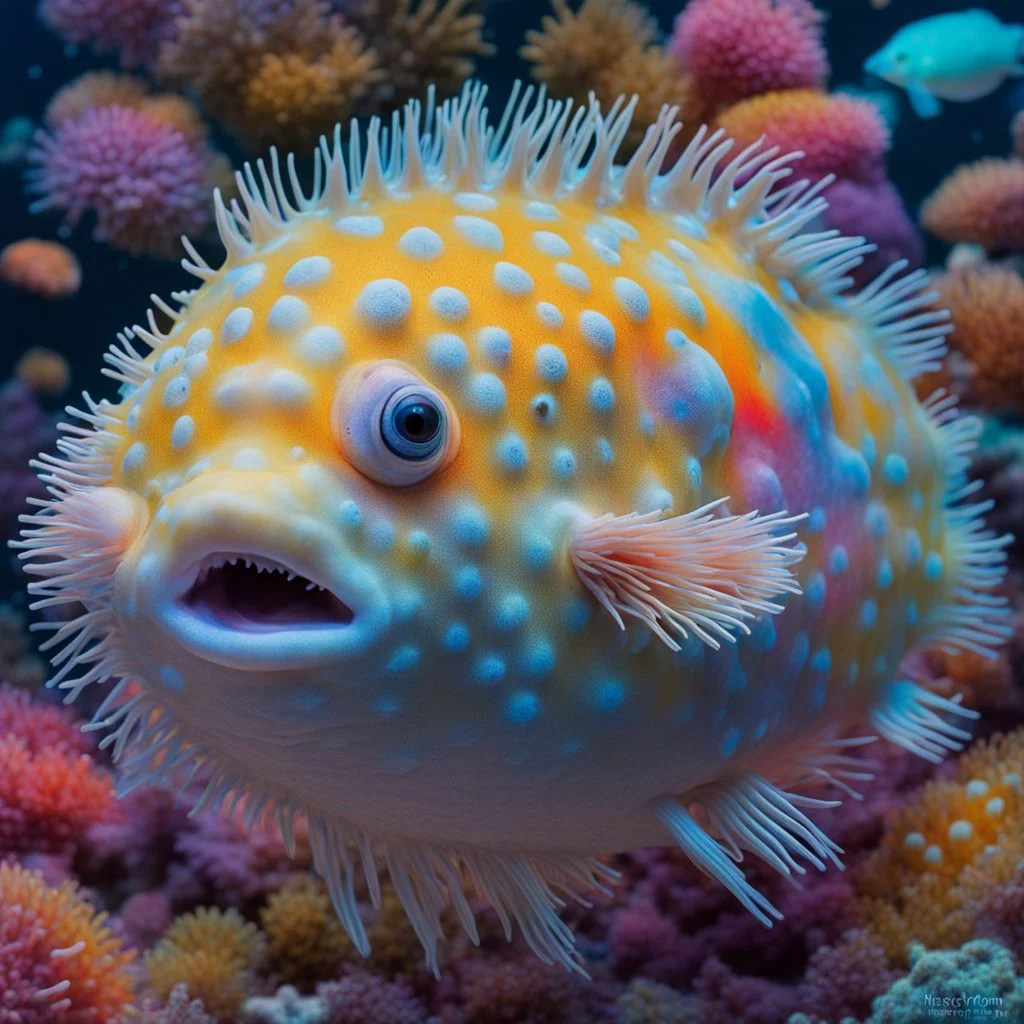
{"points": [[987, 307], [58, 960], [982, 203], [735, 49], [213, 953]]}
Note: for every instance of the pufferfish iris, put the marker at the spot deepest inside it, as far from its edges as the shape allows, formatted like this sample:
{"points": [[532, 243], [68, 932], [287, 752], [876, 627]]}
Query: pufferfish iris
{"points": [[498, 507]]}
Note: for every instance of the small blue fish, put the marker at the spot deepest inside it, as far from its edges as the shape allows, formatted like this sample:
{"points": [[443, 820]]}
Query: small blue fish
{"points": [[961, 57]]}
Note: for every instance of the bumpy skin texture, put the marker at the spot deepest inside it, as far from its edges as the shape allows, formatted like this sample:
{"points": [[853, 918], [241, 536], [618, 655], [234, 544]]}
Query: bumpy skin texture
{"points": [[479, 703]]}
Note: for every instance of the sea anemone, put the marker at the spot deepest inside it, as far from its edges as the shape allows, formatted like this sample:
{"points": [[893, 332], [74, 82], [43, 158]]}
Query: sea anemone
{"points": [[133, 29], [44, 371], [145, 182], [981, 203], [48, 269], [58, 960], [735, 49], [987, 307], [837, 134]]}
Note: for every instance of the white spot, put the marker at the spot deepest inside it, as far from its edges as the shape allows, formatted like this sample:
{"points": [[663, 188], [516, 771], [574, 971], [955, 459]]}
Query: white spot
{"points": [[597, 330], [496, 345], [551, 244], [661, 268], [487, 393], [308, 271], [622, 228], [633, 299], [289, 314], [182, 432], [287, 388], [297, 454], [250, 459], [676, 338], [169, 357], [447, 353], [197, 468], [236, 325], [248, 279], [551, 363], [384, 303], [541, 211], [475, 201], [605, 243], [176, 392], [690, 225], [549, 315], [199, 341], [478, 231], [321, 346], [232, 390], [134, 457], [512, 279], [195, 365], [689, 303], [573, 277], [421, 244], [364, 227], [684, 252], [449, 304]]}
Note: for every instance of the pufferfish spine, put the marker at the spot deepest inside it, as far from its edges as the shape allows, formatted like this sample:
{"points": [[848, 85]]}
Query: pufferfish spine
{"points": [[496, 507]]}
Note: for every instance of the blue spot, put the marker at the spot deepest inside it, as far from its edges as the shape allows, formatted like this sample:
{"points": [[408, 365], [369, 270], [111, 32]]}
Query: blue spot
{"points": [[471, 525], [467, 582], [878, 667], [487, 393], [818, 693], [914, 550], [854, 671], [522, 707], [868, 448], [407, 602], [511, 452], [876, 519], [539, 658], [916, 500], [604, 451], [608, 695], [885, 574], [538, 551], [839, 560], [684, 712], [912, 613], [647, 424], [308, 699], [737, 681], [694, 473], [869, 614], [447, 353], [816, 590], [512, 611], [572, 746], [456, 637], [349, 514], [602, 395], [418, 541], [404, 658], [382, 534], [489, 669], [818, 520], [821, 660], [563, 462], [933, 567], [730, 742], [798, 655], [551, 363], [763, 636], [386, 707], [896, 469], [172, 678], [577, 614]]}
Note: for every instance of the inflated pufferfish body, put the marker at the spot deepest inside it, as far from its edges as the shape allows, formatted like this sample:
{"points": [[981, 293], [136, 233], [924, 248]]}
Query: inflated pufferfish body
{"points": [[498, 507]]}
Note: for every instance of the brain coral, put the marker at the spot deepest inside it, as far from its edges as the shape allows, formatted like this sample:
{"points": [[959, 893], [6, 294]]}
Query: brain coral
{"points": [[981, 203], [735, 49], [58, 960], [48, 269], [837, 134], [144, 181]]}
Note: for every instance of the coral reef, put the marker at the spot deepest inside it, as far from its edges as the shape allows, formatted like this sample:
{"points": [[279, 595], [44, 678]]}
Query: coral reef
{"points": [[735, 49], [43, 371], [26, 430], [91, 90], [44, 268], [178, 1008], [361, 997], [981, 203]]}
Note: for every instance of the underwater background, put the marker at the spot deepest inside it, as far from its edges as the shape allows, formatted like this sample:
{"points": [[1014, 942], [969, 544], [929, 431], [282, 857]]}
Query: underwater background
{"points": [[208, 922]]}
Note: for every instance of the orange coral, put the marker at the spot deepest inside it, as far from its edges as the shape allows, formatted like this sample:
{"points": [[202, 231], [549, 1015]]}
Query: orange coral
{"points": [[981, 203], [305, 940], [44, 268], [295, 99], [58, 960], [987, 307], [44, 371], [213, 953], [94, 89]]}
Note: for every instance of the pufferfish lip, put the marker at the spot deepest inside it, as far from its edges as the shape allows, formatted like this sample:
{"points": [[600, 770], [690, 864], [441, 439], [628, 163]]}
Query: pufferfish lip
{"points": [[262, 610]]}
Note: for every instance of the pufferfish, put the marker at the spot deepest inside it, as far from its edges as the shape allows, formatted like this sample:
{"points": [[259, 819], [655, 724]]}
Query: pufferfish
{"points": [[497, 507]]}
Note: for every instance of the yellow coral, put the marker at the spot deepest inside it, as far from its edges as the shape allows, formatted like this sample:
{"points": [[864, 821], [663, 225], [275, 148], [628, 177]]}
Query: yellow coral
{"points": [[213, 953], [94, 89], [177, 112], [305, 940]]}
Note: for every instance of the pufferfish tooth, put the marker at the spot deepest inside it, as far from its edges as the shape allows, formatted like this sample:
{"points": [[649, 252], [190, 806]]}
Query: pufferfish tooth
{"points": [[522, 508]]}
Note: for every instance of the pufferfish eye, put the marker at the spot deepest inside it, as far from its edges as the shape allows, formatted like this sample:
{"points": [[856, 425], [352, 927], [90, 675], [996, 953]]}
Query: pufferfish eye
{"points": [[392, 425]]}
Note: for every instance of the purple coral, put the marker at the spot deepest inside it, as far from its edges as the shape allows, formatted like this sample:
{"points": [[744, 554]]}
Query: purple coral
{"points": [[178, 1009], [143, 180], [361, 997], [133, 29], [26, 431]]}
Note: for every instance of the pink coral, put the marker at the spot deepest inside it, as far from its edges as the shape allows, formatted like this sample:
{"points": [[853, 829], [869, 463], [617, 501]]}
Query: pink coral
{"points": [[842, 979], [734, 49], [133, 29], [361, 997], [145, 182], [178, 1009], [41, 725]]}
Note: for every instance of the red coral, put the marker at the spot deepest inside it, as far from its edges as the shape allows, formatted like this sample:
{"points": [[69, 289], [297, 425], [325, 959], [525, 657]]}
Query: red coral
{"points": [[41, 726]]}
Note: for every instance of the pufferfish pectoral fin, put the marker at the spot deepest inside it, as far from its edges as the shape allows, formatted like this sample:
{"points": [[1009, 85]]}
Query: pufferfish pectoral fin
{"points": [[700, 572], [749, 813]]}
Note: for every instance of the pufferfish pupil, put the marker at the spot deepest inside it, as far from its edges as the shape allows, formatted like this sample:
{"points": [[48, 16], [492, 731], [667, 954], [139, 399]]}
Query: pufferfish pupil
{"points": [[498, 507]]}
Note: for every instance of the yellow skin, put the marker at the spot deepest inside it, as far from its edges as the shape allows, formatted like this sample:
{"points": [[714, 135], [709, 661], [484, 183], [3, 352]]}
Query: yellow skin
{"points": [[480, 704]]}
